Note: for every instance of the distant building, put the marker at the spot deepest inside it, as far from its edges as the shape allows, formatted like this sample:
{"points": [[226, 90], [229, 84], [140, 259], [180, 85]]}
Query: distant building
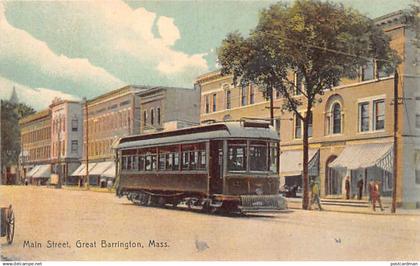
{"points": [[166, 108], [66, 138], [352, 129], [35, 154], [14, 98], [110, 116]]}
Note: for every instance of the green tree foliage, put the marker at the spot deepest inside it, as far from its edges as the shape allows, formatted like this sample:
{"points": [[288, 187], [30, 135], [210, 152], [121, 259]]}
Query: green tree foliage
{"points": [[10, 131], [320, 41]]}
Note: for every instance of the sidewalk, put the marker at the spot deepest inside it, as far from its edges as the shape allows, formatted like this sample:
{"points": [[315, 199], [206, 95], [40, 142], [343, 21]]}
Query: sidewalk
{"points": [[296, 203], [91, 188]]}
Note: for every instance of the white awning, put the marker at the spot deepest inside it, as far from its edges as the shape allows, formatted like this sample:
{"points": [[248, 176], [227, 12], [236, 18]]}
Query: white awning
{"points": [[81, 170], [365, 155], [110, 172], [33, 171], [100, 168], [291, 161], [44, 171]]}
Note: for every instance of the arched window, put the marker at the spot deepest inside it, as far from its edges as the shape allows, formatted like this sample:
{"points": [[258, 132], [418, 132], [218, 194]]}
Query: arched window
{"points": [[336, 118]]}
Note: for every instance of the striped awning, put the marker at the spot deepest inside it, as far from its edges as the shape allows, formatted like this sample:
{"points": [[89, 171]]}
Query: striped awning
{"points": [[33, 171], [110, 172], [291, 162], [81, 170], [44, 171], [100, 168], [365, 155]]}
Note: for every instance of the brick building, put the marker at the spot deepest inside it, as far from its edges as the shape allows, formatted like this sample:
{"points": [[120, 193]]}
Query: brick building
{"points": [[352, 126], [36, 147]]}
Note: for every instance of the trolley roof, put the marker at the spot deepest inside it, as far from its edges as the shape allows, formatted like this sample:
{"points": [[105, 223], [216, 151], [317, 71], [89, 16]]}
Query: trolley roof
{"points": [[225, 130]]}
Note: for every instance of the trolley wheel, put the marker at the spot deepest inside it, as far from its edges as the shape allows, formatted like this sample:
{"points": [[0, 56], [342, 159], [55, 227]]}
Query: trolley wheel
{"points": [[10, 225]]}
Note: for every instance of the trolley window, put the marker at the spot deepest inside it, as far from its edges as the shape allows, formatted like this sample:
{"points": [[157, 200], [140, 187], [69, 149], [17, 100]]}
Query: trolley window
{"points": [[237, 157], [258, 156], [194, 156], [273, 162]]}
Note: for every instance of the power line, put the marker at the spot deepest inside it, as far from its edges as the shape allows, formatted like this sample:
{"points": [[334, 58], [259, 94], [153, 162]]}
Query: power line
{"points": [[327, 49]]}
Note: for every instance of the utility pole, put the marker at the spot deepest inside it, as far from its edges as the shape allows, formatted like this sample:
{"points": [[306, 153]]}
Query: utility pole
{"points": [[59, 152], [87, 143], [271, 106], [395, 163]]}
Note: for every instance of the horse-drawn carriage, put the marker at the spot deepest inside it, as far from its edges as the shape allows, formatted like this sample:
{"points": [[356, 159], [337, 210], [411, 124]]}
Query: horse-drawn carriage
{"points": [[7, 223]]}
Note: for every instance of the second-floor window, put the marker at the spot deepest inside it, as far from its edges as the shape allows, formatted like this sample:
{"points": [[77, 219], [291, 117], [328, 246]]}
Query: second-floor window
{"points": [[214, 102], [152, 116], [144, 118], [251, 95], [74, 124], [74, 146], [379, 114], [244, 94], [298, 128], [228, 99], [207, 104], [364, 117], [158, 115], [417, 112], [336, 119]]}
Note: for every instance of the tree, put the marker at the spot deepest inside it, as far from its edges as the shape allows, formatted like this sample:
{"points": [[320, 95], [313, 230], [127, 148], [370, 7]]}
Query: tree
{"points": [[10, 131], [319, 41]]}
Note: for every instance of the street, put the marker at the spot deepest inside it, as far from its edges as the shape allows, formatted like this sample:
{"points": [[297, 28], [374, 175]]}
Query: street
{"points": [[63, 224]]}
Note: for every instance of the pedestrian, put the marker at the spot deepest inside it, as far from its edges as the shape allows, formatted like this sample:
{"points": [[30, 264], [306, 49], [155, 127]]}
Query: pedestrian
{"points": [[370, 187], [376, 195], [347, 187], [315, 195], [360, 187]]}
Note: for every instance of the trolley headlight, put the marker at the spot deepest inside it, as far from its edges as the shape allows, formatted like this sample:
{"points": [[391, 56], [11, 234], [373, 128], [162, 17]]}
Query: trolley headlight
{"points": [[259, 191]]}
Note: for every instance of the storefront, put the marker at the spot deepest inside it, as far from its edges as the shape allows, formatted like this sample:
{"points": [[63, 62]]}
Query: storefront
{"points": [[362, 163]]}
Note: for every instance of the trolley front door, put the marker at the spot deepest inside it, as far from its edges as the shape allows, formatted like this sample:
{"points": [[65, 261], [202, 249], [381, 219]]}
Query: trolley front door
{"points": [[216, 167]]}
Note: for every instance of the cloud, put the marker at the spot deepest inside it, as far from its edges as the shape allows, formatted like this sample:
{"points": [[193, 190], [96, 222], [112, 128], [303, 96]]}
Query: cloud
{"points": [[135, 45], [168, 32], [19, 48], [38, 98]]}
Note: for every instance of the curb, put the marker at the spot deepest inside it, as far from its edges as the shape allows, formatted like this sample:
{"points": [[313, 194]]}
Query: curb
{"points": [[361, 212]]}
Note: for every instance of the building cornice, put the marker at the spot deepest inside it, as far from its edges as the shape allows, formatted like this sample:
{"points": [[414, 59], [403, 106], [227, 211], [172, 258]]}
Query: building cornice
{"points": [[33, 117]]}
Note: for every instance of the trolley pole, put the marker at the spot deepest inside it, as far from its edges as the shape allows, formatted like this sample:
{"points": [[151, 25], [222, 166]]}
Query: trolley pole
{"points": [[87, 143], [395, 168]]}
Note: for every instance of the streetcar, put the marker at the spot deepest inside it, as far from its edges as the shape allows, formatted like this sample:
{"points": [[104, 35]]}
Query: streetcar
{"points": [[230, 166]]}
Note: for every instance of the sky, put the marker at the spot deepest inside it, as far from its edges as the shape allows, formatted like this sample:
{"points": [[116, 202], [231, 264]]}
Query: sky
{"points": [[86, 48]]}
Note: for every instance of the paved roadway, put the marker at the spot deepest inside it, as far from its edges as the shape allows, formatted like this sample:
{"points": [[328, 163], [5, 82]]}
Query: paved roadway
{"points": [[66, 216]]}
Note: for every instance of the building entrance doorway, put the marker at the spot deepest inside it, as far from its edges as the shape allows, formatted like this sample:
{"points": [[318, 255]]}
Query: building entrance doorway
{"points": [[333, 178]]}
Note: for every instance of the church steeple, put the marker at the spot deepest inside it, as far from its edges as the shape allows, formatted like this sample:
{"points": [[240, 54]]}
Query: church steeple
{"points": [[14, 98]]}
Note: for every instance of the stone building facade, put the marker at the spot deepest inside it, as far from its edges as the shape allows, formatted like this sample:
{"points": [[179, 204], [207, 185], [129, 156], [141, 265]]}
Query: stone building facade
{"points": [[66, 138], [352, 125], [166, 108]]}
